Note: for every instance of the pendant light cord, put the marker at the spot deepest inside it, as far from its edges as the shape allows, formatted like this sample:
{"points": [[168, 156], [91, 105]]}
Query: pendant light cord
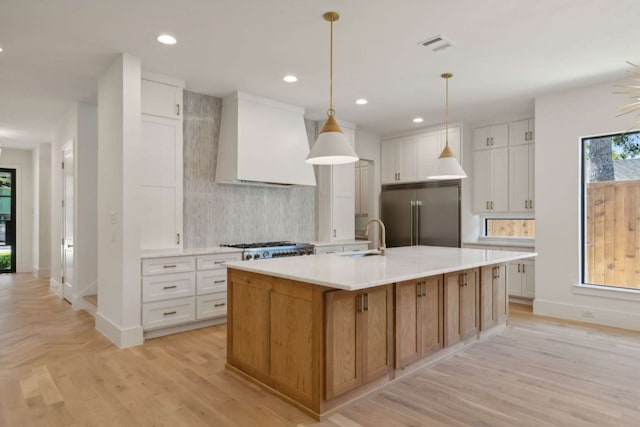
{"points": [[331, 111], [446, 114]]}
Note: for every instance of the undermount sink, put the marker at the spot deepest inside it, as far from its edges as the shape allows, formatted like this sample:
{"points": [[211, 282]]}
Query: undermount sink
{"points": [[360, 254]]}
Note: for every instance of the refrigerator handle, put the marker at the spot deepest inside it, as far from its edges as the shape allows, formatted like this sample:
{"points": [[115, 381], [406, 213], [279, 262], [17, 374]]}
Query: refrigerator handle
{"points": [[418, 207], [411, 208]]}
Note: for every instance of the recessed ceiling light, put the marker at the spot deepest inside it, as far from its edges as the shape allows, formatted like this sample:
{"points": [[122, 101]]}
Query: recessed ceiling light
{"points": [[167, 39], [0, 48], [418, 120], [361, 101], [290, 78]]}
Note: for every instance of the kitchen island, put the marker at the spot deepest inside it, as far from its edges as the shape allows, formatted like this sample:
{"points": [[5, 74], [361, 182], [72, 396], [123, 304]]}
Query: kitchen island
{"points": [[321, 331]]}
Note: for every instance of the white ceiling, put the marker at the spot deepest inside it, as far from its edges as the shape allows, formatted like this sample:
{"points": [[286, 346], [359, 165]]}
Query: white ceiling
{"points": [[506, 53]]}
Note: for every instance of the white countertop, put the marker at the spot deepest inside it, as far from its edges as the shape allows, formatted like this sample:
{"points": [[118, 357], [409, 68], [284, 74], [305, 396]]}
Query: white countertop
{"points": [[161, 253], [404, 263]]}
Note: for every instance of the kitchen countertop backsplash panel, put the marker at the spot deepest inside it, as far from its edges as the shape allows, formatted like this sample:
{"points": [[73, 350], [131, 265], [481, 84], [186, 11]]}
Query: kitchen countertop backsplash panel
{"points": [[225, 213]]}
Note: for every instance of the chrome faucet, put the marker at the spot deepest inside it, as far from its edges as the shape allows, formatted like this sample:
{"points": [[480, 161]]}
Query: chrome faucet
{"points": [[383, 244]]}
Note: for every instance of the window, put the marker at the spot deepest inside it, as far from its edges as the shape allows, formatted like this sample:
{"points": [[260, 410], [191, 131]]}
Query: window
{"points": [[611, 210], [510, 227]]}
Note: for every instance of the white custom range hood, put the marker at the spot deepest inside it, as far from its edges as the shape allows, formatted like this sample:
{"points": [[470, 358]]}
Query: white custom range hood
{"points": [[262, 142]]}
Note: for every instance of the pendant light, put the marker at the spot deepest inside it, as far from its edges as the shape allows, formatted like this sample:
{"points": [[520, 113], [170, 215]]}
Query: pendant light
{"points": [[331, 147], [447, 166]]}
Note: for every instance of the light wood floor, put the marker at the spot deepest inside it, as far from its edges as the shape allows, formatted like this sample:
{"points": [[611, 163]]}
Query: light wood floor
{"points": [[57, 370]]}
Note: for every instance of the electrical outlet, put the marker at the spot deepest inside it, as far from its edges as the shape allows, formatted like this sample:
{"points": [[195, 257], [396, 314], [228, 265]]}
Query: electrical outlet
{"points": [[587, 313]]}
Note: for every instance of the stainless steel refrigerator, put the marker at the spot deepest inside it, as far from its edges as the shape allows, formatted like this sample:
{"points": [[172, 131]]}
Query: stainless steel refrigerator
{"points": [[426, 213]]}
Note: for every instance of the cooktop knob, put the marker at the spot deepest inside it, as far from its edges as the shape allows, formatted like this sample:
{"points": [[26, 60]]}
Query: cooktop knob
{"points": [[249, 256], [256, 256], [265, 254]]}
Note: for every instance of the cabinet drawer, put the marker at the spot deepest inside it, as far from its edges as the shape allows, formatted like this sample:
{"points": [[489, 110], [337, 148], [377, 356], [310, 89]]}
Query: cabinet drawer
{"points": [[161, 287], [356, 247], [213, 305], [208, 282], [212, 262], [166, 313], [168, 265], [328, 249]]}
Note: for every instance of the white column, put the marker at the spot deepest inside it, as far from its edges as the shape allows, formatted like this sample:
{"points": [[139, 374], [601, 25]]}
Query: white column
{"points": [[118, 315]]}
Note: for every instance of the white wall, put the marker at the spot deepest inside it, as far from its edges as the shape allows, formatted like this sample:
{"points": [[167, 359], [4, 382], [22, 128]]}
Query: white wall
{"points": [[41, 258], [561, 120], [368, 148], [118, 315], [21, 161]]}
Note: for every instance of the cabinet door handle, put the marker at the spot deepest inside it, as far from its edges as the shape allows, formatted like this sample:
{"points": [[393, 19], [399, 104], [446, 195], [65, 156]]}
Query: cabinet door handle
{"points": [[222, 304], [424, 289], [518, 267], [177, 109], [492, 205], [487, 205], [177, 238], [219, 281], [359, 303], [487, 142], [498, 271], [219, 262], [169, 266], [169, 313], [419, 289], [170, 287], [366, 302], [523, 268]]}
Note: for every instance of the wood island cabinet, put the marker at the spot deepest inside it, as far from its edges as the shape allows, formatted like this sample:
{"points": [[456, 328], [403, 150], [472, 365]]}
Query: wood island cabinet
{"points": [[358, 340], [418, 319], [320, 347], [493, 296], [460, 306]]}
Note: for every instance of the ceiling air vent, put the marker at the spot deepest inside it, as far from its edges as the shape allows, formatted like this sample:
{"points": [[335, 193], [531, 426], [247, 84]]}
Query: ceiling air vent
{"points": [[437, 43]]}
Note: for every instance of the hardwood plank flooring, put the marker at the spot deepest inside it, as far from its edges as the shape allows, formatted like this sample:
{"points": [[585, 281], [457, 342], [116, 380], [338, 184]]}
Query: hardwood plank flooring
{"points": [[57, 370]]}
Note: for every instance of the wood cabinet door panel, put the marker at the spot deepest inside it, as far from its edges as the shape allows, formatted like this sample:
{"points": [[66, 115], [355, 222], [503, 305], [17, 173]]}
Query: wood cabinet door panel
{"points": [[468, 305], [502, 302], [376, 333], [291, 341], [451, 309], [407, 322], [487, 298], [250, 330], [431, 316], [344, 345]]}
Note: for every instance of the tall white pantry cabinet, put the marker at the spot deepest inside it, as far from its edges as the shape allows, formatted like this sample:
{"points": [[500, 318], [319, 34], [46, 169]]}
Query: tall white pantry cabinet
{"points": [[161, 225], [336, 197]]}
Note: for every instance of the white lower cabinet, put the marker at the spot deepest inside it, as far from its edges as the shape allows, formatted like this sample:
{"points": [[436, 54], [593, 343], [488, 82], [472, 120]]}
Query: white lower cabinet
{"points": [[521, 278], [170, 312], [212, 305], [197, 292], [345, 247]]}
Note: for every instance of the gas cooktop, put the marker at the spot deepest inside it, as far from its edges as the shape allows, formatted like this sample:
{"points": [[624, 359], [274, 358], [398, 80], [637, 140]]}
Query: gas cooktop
{"points": [[272, 249]]}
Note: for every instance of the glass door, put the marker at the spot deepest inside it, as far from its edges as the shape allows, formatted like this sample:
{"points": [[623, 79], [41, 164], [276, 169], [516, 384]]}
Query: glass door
{"points": [[7, 220]]}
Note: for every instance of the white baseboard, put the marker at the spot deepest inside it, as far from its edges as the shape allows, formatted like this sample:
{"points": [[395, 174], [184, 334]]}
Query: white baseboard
{"points": [[56, 287], [598, 316], [123, 338]]}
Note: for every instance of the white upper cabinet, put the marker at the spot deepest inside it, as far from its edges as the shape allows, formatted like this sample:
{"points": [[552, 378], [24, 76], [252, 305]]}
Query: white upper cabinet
{"points": [[504, 168], [161, 99], [161, 171], [494, 136], [490, 180], [413, 158], [521, 180], [361, 178], [521, 132]]}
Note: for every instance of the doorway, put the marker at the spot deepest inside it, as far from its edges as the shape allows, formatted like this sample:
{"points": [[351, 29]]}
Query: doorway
{"points": [[7, 220], [67, 222]]}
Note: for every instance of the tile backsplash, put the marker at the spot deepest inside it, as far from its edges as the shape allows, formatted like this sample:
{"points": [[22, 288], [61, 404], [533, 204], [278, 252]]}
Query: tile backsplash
{"points": [[226, 213]]}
